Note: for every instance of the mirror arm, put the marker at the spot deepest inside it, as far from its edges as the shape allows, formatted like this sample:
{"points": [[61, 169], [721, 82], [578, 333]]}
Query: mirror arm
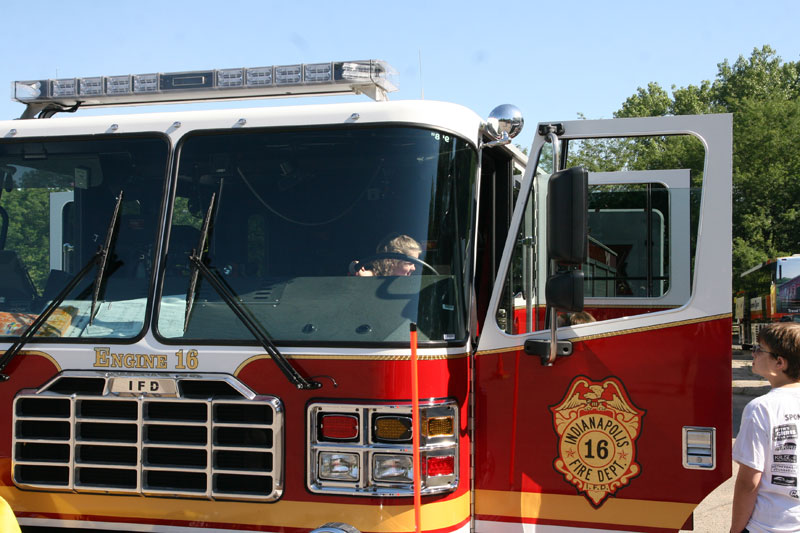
{"points": [[553, 352], [503, 140], [552, 136], [543, 347]]}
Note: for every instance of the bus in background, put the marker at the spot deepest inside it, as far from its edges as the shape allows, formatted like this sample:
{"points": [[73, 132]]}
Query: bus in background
{"points": [[769, 292]]}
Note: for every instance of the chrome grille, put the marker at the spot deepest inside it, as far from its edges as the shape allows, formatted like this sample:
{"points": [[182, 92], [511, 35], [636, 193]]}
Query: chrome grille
{"points": [[218, 447]]}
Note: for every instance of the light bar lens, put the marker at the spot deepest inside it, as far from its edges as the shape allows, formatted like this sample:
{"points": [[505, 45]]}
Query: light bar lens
{"points": [[145, 83], [90, 86], [118, 85], [357, 71], [66, 87], [318, 73], [259, 77], [27, 90], [232, 77], [290, 74]]}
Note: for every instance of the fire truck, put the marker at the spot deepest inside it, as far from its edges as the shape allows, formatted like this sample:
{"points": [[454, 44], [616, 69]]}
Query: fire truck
{"points": [[377, 317]]}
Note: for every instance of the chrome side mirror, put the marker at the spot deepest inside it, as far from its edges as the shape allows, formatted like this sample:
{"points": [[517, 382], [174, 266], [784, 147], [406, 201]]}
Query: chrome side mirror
{"points": [[504, 123]]}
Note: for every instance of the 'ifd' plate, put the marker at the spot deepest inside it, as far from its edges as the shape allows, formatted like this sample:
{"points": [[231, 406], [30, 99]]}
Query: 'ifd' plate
{"points": [[146, 386]]}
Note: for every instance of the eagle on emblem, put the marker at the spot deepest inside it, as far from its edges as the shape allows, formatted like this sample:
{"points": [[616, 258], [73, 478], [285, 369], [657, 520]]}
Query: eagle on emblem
{"points": [[585, 395]]}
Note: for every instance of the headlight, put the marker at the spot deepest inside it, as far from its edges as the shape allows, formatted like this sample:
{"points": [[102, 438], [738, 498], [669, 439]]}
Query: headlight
{"points": [[393, 468], [338, 466]]}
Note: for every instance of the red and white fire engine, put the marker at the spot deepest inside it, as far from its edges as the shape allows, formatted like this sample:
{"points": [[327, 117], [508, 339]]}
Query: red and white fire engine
{"points": [[205, 325]]}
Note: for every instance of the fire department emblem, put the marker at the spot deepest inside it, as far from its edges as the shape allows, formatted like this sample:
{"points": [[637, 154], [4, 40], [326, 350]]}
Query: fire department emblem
{"points": [[597, 425]]}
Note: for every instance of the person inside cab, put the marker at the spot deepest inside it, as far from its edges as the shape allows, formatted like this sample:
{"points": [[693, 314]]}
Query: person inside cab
{"points": [[391, 266]]}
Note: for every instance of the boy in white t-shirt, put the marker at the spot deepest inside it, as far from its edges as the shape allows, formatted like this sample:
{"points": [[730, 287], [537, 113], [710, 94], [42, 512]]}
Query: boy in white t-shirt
{"points": [[765, 496]]}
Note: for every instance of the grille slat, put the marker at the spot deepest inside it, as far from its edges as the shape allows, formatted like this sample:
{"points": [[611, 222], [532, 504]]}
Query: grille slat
{"points": [[217, 447], [41, 463], [187, 469], [103, 420], [195, 447], [177, 446], [172, 423]]}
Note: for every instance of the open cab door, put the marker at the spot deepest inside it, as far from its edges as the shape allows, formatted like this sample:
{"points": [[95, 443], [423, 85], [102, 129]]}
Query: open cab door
{"points": [[624, 423]]}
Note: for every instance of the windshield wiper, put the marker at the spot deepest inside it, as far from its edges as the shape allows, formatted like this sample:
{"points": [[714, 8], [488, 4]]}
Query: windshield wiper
{"points": [[242, 313], [99, 258], [105, 253], [200, 252]]}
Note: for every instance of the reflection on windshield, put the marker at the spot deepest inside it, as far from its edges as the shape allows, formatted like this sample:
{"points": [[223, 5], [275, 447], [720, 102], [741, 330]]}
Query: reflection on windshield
{"points": [[56, 202], [789, 269], [297, 210], [788, 285]]}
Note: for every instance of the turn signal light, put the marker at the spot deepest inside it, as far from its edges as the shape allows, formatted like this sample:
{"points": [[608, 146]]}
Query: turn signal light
{"points": [[392, 428], [441, 426]]}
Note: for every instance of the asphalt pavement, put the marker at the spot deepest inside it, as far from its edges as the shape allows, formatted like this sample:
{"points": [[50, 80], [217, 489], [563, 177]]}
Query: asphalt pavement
{"points": [[713, 515]]}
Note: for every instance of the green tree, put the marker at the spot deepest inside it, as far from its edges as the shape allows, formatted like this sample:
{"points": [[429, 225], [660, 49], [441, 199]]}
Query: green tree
{"points": [[763, 93], [28, 231]]}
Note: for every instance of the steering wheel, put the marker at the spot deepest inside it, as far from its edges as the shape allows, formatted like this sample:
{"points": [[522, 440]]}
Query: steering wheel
{"points": [[355, 265]]}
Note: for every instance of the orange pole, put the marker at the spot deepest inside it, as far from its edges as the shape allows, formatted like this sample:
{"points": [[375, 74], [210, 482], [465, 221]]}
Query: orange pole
{"points": [[415, 429]]}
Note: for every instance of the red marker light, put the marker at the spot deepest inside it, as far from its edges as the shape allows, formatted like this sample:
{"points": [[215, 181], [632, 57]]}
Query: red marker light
{"points": [[338, 427], [440, 465]]}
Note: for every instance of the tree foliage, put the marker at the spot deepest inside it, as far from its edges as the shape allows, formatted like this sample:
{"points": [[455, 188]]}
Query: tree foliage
{"points": [[28, 231], [763, 93]]}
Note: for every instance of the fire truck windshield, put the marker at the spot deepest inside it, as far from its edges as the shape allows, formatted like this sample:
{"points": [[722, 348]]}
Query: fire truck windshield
{"points": [[56, 201], [324, 235]]}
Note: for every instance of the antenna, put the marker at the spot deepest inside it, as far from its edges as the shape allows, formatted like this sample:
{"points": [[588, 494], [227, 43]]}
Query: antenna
{"points": [[421, 86]]}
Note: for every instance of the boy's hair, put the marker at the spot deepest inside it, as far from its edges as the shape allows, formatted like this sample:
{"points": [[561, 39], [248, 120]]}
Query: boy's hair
{"points": [[783, 338], [400, 244], [581, 317]]}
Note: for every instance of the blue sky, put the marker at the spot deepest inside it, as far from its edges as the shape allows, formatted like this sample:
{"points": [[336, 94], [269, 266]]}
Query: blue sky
{"points": [[553, 60]]}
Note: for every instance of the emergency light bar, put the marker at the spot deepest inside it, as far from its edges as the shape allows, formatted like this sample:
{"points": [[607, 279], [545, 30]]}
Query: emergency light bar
{"points": [[372, 77]]}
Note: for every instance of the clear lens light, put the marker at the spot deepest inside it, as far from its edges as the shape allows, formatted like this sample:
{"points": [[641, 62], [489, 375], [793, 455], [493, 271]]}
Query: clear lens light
{"points": [[393, 468], [91, 86], [338, 466], [356, 71], [118, 85], [259, 77], [27, 90], [232, 77], [318, 72], [66, 87], [288, 74], [145, 83]]}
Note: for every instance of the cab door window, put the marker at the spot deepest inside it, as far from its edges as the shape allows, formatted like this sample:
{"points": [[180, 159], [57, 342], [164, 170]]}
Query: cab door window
{"points": [[644, 198]]}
